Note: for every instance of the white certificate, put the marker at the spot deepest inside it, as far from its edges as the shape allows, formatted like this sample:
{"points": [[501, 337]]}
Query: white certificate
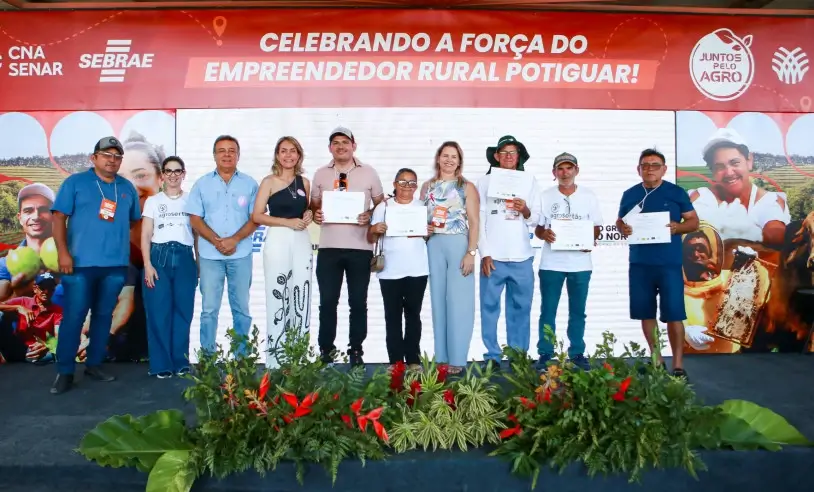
{"points": [[506, 183], [572, 235], [342, 207], [406, 221], [650, 228]]}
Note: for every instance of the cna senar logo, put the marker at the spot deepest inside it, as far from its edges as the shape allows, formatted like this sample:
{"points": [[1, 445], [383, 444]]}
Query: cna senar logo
{"points": [[116, 60], [722, 65], [790, 65]]}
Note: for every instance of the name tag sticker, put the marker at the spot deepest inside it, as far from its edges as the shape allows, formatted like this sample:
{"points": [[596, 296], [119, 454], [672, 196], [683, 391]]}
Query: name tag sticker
{"points": [[107, 210]]}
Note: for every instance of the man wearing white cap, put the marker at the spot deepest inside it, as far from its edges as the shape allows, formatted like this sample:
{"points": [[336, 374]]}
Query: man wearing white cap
{"points": [[571, 267], [733, 204], [344, 250], [34, 213]]}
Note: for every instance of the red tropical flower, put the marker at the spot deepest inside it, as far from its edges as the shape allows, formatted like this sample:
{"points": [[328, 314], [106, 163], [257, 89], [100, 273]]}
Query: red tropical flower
{"points": [[300, 409], [265, 384], [371, 416], [528, 403], [623, 387], [397, 376], [449, 398], [443, 371], [511, 431], [415, 389]]}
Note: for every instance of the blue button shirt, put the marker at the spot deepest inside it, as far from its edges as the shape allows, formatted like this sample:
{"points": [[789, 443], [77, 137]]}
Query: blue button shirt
{"points": [[225, 208], [93, 241], [666, 198]]}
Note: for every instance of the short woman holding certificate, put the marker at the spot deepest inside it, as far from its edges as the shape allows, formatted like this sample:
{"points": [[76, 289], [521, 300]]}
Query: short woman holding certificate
{"points": [[403, 280], [453, 210], [287, 252]]}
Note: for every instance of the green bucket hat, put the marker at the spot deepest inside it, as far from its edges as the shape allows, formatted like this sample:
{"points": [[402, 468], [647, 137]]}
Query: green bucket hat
{"points": [[504, 141]]}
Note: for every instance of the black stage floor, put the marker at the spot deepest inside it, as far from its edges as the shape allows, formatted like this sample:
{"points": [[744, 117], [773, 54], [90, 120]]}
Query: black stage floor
{"points": [[40, 432]]}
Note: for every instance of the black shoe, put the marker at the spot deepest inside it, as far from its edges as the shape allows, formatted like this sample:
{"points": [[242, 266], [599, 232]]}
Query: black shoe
{"points": [[164, 375], [355, 357], [542, 362], [62, 383], [681, 373], [581, 362], [97, 374], [328, 357]]}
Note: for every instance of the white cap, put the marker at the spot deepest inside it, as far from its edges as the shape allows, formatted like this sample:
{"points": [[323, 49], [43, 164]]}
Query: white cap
{"points": [[724, 135], [35, 189]]}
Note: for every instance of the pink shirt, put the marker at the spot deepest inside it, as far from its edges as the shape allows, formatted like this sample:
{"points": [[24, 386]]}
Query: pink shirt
{"points": [[362, 178]]}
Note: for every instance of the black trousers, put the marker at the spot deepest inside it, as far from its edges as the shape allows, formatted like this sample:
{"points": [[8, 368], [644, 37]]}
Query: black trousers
{"points": [[403, 296], [332, 265]]}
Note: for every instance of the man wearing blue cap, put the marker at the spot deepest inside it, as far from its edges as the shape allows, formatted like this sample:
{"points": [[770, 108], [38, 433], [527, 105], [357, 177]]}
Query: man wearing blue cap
{"points": [[94, 253]]}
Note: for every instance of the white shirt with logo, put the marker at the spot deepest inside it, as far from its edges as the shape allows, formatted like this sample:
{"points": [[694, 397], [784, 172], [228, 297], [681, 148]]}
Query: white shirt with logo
{"points": [[503, 236], [580, 205], [403, 256], [170, 222]]}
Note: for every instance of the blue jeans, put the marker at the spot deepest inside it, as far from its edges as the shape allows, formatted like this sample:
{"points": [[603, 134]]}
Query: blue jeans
{"points": [[238, 274], [94, 289], [169, 306], [518, 279], [551, 290]]}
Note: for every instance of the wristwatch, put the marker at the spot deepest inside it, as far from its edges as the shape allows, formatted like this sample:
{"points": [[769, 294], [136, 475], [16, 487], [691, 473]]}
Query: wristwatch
{"points": [[472, 252]]}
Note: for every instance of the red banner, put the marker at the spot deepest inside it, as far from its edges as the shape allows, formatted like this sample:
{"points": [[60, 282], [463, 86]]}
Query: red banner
{"points": [[326, 58]]}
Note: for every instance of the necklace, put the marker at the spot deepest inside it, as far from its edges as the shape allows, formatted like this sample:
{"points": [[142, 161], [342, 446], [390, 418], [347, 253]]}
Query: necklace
{"points": [[292, 191], [175, 197]]}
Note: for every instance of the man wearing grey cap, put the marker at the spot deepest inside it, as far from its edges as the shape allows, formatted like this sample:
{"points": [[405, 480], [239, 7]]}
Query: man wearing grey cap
{"points": [[344, 250], [93, 249], [571, 267], [34, 203]]}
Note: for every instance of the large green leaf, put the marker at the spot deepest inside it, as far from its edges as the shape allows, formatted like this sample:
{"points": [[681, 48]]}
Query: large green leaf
{"points": [[750, 426], [171, 473], [123, 440]]}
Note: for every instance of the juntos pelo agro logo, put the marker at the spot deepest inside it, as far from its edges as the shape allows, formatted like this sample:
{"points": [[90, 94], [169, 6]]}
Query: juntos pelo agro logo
{"points": [[722, 66]]}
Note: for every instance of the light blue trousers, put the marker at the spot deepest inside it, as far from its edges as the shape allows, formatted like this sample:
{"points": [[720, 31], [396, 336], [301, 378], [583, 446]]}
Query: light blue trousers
{"points": [[517, 277], [453, 298]]}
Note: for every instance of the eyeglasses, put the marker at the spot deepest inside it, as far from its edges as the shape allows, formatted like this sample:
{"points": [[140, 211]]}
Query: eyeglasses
{"points": [[504, 153], [173, 172], [404, 183], [650, 165], [226, 151], [110, 155]]}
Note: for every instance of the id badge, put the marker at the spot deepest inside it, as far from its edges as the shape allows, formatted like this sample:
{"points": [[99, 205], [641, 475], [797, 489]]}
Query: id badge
{"points": [[108, 210], [510, 213], [439, 217], [340, 185]]}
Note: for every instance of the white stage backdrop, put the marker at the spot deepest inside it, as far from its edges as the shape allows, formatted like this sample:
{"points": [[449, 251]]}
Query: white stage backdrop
{"points": [[607, 144]]}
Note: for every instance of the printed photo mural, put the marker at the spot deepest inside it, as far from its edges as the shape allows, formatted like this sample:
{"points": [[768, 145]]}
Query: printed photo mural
{"points": [[38, 150], [748, 270]]}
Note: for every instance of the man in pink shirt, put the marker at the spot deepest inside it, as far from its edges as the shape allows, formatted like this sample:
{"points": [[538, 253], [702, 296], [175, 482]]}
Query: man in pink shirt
{"points": [[343, 248]]}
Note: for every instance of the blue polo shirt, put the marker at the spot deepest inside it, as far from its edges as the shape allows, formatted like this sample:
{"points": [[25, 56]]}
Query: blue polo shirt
{"points": [[666, 198], [6, 275], [93, 241], [225, 208]]}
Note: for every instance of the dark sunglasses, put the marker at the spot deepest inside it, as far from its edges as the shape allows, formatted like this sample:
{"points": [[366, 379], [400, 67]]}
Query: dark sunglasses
{"points": [[343, 180]]}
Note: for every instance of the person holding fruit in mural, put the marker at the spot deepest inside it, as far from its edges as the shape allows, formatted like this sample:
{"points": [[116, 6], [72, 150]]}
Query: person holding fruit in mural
{"points": [[37, 252], [93, 254], [25, 337]]}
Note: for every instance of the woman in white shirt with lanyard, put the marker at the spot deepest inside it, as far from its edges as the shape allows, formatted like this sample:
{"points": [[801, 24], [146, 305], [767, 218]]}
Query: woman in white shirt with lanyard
{"points": [[170, 273], [403, 280]]}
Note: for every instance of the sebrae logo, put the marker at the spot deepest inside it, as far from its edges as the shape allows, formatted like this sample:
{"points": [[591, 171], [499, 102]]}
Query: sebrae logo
{"points": [[722, 66], [790, 65], [116, 60]]}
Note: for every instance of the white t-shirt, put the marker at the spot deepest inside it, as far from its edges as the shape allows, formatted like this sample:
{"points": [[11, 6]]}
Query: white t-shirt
{"points": [[734, 220], [504, 236], [403, 256], [580, 205], [170, 222]]}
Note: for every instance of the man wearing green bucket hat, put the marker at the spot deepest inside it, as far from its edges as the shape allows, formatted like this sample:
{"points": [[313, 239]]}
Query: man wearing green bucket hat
{"points": [[506, 254]]}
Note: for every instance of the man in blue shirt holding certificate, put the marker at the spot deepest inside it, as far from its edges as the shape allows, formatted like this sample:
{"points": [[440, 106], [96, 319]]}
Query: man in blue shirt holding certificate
{"points": [[655, 269]]}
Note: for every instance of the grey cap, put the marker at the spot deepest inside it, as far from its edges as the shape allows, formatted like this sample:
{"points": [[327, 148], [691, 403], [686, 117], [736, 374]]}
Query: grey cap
{"points": [[108, 143], [565, 158], [35, 189], [341, 130]]}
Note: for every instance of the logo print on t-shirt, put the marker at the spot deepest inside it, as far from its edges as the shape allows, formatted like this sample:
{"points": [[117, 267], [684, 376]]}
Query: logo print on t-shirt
{"points": [[555, 207], [162, 208]]}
